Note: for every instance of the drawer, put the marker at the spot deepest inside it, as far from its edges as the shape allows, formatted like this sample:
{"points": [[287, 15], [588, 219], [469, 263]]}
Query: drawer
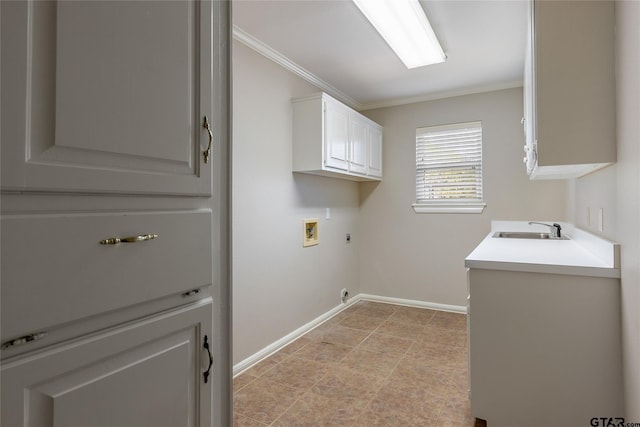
{"points": [[55, 270]]}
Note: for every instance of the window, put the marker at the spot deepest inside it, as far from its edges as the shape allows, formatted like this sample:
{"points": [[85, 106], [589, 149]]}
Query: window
{"points": [[449, 169]]}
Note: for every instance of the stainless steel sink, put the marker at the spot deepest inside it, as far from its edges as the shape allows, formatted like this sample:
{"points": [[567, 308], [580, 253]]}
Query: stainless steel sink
{"points": [[526, 235]]}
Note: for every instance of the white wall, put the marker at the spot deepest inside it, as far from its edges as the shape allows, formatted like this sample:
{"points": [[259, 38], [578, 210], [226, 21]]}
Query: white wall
{"points": [[421, 256], [617, 190], [278, 285]]}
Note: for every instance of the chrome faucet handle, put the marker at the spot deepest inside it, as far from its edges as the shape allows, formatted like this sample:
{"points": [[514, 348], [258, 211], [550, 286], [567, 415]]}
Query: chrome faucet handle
{"points": [[555, 228]]}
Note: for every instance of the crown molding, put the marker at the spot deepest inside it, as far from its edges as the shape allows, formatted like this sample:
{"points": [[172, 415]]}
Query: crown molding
{"points": [[272, 54], [441, 95], [277, 57]]}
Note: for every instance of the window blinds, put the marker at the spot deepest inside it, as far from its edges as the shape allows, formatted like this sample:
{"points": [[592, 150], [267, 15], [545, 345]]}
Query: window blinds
{"points": [[449, 163]]}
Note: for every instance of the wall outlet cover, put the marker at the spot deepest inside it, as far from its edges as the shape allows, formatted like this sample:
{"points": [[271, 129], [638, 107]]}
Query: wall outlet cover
{"points": [[344, 296], [310, 232]]}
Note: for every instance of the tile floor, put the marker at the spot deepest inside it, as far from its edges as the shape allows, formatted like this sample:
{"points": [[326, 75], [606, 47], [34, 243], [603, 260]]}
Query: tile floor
{"points": [[372, 364]]}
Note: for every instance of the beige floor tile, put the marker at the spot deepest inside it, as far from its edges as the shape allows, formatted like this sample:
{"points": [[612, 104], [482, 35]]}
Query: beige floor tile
{"points": [[386, 344], [370, 362], [242, 421], [400, 329], [374, 309], [388, 399], [459, 383], [422, 383], [344, 384], [323, 352], [442, 335], [264, 400], [297, 373], [338, 334], [371, 365], [457, 321], [364, 323], [390, 418], [349, 311], [296, 345], [263, 366], [313, 410], [419, 316], [242, 380], [439, 354], [456, 413]]}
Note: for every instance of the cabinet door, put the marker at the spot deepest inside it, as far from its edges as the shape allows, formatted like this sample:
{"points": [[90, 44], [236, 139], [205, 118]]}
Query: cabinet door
{"points": [[106, 96], [374, 167], [149, 373], [336, 131], [358, 135]]}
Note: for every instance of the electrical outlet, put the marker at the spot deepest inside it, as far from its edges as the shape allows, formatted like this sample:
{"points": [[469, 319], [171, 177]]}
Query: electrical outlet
{"points": [[344, 296]]}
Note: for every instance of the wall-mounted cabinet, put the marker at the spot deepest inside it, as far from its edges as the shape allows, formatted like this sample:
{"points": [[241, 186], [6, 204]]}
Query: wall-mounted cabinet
{"points": [[334, 140], [569, 89]]}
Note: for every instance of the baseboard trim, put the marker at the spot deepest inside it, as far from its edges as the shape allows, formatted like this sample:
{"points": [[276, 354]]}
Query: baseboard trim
{"points": [[247, 363], [414, 303], [255, 358]]}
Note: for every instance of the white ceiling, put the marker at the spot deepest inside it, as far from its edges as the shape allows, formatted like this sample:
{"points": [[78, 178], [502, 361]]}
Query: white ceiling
{"points": [[331, 44]]}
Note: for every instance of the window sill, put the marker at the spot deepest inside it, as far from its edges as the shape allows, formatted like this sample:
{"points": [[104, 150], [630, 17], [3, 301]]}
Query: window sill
{"points": [[472, 208]]}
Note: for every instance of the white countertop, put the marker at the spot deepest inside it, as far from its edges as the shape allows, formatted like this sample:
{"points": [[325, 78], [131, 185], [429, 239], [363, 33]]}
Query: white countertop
{"points": [[584, 254]]}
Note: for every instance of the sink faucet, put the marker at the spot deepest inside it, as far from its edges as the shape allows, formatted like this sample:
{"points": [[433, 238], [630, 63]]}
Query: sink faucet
{"points": [[555, 228]]}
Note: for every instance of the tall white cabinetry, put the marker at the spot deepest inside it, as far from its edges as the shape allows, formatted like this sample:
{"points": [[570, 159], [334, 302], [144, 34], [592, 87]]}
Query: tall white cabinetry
{"points": [[334, 140], [569, 90], [108, 225]]}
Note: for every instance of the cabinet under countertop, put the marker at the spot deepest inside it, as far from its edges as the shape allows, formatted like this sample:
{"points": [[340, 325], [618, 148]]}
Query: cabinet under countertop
{"points": [[544, 329]]}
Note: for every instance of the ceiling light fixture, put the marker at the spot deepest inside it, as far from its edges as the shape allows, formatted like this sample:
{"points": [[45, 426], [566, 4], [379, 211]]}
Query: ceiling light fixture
{"points": [[405, 27]]}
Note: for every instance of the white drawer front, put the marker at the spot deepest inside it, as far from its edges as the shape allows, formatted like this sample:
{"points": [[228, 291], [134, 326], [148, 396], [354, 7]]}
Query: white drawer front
{"points": [[54, 269]]}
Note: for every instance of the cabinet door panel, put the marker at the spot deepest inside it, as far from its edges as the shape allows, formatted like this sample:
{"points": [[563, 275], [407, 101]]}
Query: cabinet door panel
{"points": [[358, 133], [148, 373], [337, 136], [374, 167], [114, 95]]}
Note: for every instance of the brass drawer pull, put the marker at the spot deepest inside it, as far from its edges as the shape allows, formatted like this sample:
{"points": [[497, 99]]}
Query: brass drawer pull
{"points": [[132, 239]]}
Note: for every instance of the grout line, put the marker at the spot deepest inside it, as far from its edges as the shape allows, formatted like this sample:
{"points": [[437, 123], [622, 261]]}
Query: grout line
{"points": [[448, 391]]}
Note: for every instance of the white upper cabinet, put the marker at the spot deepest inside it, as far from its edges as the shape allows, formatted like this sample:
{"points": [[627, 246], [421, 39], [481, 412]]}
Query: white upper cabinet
{"points": [[331, 139], [106, 97], [569, 88]]}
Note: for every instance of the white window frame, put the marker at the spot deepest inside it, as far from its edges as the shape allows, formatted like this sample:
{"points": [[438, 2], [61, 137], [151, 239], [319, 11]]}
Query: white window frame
{"points": [[425, 204]]}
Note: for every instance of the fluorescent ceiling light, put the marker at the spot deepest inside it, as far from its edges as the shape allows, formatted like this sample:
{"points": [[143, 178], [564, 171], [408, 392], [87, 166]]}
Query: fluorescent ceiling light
{"points": [[405, 27]]}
